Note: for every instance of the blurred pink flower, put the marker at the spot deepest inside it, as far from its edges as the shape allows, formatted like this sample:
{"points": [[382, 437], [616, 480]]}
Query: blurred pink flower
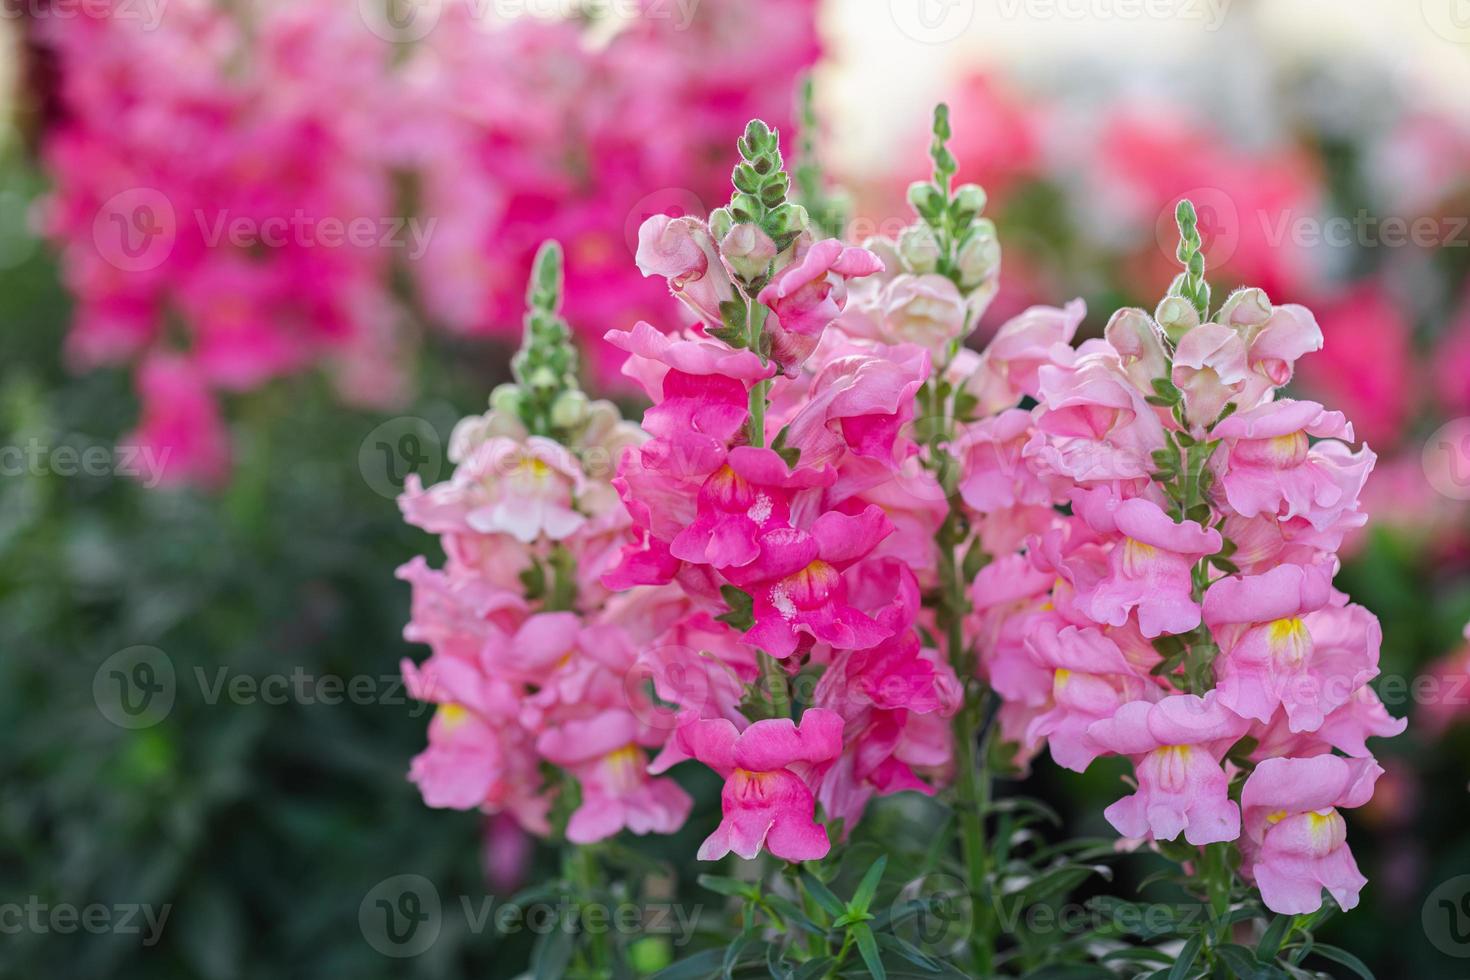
{"points": [[1367, 366]]}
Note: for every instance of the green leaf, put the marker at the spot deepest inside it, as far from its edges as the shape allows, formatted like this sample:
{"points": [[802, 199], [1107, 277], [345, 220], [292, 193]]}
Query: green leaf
{"points": [[812, 969], [868, 887], [742, 606], [822, 894], [1243, 963], [734, 952], [703, 964], [1166, 390], [908, 951], [1276, 934], [867, 946], [1187, 956], [728, 886], [551, 956], [1342, 956]]}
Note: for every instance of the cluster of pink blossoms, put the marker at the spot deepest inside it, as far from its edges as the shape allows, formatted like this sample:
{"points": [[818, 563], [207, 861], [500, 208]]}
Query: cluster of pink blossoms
{"points": [[1182, 614], [829, 486], [229, 186]]}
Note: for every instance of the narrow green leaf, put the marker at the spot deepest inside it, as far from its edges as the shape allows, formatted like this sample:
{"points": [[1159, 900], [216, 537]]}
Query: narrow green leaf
{"points": [[868, 887], [867, 945], [1187, 956], [822, 894], [1342, 956], [727, 886]]}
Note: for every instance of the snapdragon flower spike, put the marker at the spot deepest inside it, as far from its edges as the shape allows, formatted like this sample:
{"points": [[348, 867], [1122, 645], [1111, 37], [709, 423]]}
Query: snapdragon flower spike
{"points": [[1205, 518], [766, 802]]}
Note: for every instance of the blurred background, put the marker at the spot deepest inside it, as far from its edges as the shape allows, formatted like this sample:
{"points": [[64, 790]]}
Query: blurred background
{"points": [[257, 256]]}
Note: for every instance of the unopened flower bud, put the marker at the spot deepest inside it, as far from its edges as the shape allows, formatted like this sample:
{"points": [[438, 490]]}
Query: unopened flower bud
{"points": [[506, 400], [720, 223], [978, 261], [747, 251], [569, 410], [1177, 316], [1140, 344], [918, 249], [789, 219], [926, 199], [1245, 309], [970, 199]]}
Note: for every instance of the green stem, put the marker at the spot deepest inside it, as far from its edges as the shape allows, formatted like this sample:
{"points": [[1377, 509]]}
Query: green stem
{"points": [[756, 316], [973, 779], [773, 676], [588, 876]]}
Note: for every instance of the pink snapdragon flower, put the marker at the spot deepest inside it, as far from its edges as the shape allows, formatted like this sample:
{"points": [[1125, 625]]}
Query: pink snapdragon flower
{"points": [[1271, 465], [1298, 840], [1150, 568], [798, 588], [1176, 745], [807, 295], [1283, 644], [744, 498], [767, 802], [1090, 681]]}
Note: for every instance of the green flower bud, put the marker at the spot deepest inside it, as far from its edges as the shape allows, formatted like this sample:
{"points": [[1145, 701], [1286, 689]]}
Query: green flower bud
{"points": [[506, 399], [569, 410], [1177, 316], [978, 261], [918, 249]]}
